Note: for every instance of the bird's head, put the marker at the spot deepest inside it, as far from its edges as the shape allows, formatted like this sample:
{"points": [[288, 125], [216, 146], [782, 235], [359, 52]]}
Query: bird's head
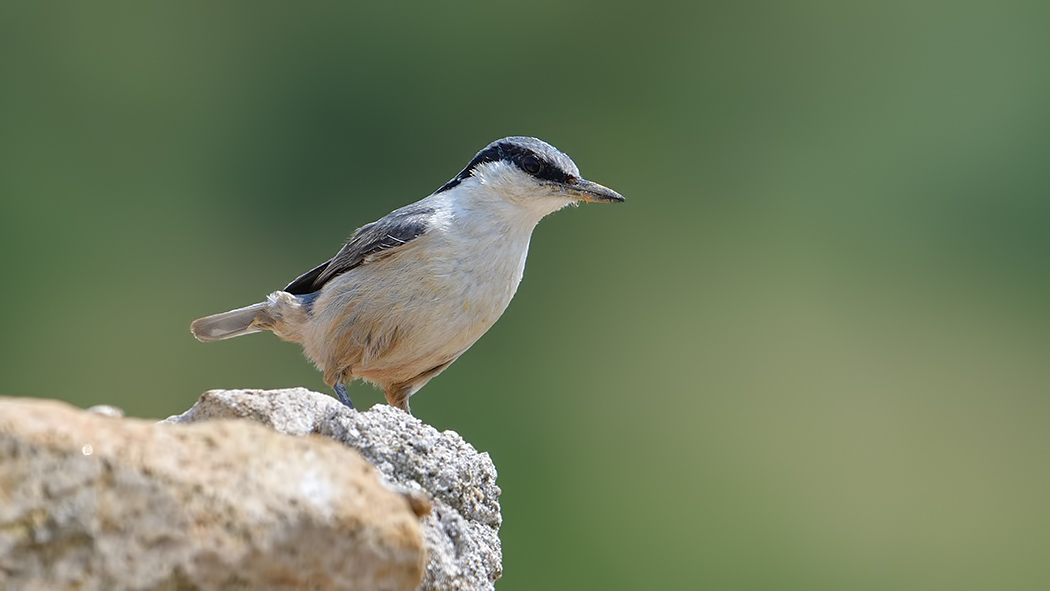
{"points": [[532, 173]]}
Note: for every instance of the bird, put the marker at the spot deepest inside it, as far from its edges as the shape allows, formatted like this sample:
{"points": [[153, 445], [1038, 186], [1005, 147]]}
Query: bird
{"points": [[411, 292]]}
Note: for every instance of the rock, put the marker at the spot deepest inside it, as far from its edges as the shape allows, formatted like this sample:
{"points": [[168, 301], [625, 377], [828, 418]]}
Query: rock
{"points": [[461, 532], [106, 410], [91, 502]]}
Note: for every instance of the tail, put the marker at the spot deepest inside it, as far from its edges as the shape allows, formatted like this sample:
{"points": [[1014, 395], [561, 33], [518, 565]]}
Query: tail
{"points": [[230, 324]]}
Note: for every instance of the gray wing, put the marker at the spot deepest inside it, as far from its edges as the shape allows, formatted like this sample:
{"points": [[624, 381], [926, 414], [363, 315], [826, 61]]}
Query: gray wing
{"points": [[388, 233]]}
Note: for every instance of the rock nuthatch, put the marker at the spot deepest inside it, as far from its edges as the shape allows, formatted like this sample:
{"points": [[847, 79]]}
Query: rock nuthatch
{"points": [[410, 292]]}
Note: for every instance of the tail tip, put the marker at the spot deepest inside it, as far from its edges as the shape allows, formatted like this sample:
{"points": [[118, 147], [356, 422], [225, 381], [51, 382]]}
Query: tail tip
{"points": [[200, 331]]}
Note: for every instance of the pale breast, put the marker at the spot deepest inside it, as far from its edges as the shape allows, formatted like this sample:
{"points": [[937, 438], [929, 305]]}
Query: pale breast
{"points": [[417, 308]]}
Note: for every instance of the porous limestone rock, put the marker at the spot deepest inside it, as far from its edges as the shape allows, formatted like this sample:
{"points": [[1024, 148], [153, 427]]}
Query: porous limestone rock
{"points": [[92, 502], [461, 531]]}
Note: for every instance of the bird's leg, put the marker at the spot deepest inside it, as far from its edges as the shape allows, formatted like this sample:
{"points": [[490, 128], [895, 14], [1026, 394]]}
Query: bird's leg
{"points": [[340, 391]]}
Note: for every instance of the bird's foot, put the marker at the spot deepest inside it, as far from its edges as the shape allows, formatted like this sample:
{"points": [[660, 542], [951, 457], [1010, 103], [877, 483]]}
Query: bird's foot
{"points": [[340, 392]]}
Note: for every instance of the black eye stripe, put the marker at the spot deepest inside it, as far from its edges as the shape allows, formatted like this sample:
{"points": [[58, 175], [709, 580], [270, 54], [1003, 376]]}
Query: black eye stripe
{"points": [[533, 156]]}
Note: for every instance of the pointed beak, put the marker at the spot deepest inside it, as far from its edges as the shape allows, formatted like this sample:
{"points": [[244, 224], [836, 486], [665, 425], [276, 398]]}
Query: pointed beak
{"points": [[585, 190]]}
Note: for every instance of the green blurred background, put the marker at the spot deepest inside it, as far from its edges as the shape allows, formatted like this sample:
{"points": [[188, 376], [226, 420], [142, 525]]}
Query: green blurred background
{"points": [[812, 350]]}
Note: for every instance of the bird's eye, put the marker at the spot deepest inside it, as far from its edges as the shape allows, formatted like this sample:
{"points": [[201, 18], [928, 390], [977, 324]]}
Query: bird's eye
{"points": [[531, 164]]}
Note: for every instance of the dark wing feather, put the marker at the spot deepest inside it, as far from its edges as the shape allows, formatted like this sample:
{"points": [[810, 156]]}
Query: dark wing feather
{"points": [[388, 233], [303, 283]]}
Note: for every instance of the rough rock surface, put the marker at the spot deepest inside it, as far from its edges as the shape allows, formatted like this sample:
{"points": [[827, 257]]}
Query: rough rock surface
{"points": [[463, 548], [92, 502]]}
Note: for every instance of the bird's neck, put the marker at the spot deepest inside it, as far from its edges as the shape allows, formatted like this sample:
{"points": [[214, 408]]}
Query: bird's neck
{"points": [[482, 206]]}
